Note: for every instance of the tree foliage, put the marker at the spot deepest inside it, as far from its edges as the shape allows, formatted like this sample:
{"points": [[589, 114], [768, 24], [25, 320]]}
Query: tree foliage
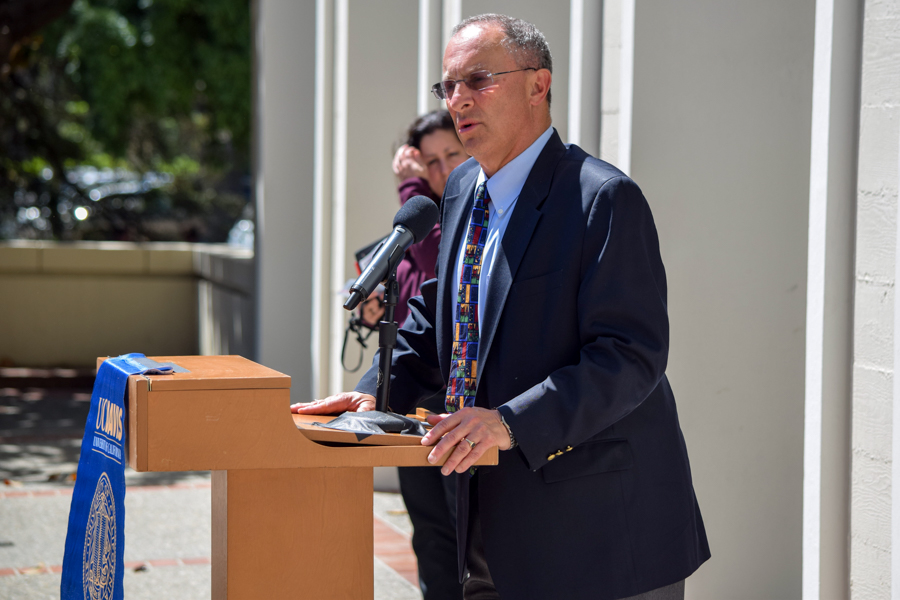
{"points": [[137, 112]]}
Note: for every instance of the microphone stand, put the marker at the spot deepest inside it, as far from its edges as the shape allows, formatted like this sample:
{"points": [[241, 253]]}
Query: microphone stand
{"points": [[381, 419], [387, 339]]}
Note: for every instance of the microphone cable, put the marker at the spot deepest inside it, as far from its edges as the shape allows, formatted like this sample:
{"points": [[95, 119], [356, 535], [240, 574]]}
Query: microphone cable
{"points": [[362, 329]]}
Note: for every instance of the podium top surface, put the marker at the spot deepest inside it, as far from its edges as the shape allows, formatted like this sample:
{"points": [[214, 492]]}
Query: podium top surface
{"points": [[216, 373], [230, 413]]}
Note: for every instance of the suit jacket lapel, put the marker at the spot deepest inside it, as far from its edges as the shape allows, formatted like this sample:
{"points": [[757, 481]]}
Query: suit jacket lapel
{"points": [[457, 212], [515, 241]]}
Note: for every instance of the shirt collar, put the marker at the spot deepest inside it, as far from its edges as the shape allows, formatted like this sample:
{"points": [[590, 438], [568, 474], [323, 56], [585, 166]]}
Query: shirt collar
{"points": [[507, 183]]}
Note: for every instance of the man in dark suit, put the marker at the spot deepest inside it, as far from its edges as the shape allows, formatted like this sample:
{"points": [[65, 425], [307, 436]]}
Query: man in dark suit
{"points": [[548, 322]]}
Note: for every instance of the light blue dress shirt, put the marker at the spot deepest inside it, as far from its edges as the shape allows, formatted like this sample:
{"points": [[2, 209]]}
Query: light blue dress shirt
{"points": [[504, 189]]}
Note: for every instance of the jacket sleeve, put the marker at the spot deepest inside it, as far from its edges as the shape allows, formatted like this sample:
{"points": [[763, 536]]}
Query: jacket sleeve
{"points": [[623, 332], [415, 372]]}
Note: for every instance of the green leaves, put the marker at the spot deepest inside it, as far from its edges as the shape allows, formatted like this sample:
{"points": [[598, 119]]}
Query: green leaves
{"points": [[140, 85]]}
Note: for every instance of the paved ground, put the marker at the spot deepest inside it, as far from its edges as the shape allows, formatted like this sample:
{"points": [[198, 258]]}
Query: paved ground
{"points": [[167, 515]]}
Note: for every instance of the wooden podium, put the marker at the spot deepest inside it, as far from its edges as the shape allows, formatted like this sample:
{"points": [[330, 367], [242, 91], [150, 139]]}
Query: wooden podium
{"points": [[291, 517]]}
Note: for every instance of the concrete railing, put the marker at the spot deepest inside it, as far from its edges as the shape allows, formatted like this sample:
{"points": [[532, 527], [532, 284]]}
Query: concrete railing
{"points": [[64, 304]]}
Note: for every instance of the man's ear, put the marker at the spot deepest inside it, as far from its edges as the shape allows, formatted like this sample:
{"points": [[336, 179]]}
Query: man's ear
{"points": [[540, 86]]}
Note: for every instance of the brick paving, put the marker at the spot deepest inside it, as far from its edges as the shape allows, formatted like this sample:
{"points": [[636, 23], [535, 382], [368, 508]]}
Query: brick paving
{"points": [[394, 548]]}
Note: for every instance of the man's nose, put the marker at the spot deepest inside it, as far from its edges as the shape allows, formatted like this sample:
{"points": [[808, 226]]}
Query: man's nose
{"points": [[460, 98]]}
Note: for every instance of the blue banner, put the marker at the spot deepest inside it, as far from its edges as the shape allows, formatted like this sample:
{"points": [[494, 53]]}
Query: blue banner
{"points": [[95, 541]]}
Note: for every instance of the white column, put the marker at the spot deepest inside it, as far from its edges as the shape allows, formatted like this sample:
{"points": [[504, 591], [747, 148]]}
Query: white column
{"points": [[339, 271], [285, 50], [324, 138], [585, 60], [576, 59], [451, 17], [610, 80], [431, 52], [815, 300], [829, 313], [626, 84]]}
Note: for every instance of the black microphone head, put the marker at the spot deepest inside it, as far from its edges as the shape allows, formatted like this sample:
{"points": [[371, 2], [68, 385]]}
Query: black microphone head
{"points": [[419, 215]]}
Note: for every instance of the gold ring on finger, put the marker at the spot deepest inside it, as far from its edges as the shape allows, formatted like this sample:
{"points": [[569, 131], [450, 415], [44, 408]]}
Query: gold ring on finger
{"points": [[470, 442]]}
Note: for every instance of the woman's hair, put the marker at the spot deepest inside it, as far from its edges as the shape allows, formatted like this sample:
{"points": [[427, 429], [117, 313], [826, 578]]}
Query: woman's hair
{"points": [[428, 123]]}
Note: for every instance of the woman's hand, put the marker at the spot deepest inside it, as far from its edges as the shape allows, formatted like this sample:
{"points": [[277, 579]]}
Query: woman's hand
{"points": [[408, 163]]}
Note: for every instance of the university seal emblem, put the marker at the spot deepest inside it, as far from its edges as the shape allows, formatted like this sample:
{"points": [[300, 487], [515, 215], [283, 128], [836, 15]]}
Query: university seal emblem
{"points": [[99, 566]]}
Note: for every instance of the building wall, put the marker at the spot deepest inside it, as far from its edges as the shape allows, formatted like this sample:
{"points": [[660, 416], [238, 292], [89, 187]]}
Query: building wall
{"points": [[874, 358], [720, 147], [226, 303], [67, 304]]}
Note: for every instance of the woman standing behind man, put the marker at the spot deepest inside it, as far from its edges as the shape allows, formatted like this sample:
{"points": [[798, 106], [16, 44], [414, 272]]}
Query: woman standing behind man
{"points": [[422, 166]]}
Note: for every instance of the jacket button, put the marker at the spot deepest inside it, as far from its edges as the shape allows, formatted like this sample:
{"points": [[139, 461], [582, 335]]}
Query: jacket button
{"points": [[551, 457], [568, 448]]}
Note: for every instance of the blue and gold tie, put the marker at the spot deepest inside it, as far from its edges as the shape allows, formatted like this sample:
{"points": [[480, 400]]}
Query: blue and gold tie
{"points": [[464, 359]]}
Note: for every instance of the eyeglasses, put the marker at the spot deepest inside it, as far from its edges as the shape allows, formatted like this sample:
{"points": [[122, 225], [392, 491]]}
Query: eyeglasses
{"points": [[478, 80]]}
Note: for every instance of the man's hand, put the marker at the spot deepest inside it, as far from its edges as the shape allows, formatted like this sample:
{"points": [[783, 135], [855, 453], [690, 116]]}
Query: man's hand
{"points": [[479, 426], [339, 403]]}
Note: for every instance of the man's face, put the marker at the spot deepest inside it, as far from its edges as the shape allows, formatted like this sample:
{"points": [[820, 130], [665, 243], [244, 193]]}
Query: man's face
{"points": [[493, 123]]}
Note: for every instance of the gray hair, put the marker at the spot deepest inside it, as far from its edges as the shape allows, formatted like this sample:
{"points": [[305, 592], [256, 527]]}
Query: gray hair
{"points": [[526, 42]]}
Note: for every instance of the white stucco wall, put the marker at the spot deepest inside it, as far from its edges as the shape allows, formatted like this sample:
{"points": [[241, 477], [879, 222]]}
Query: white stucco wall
{"points": [[721, 147], [873, 363]]}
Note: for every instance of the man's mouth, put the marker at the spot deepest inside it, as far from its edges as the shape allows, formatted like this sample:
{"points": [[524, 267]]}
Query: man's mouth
{"points": [[465, 125]]}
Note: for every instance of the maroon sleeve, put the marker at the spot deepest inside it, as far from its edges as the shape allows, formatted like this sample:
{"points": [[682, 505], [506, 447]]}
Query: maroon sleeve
{"points": [[417, 266], [414, 186]]}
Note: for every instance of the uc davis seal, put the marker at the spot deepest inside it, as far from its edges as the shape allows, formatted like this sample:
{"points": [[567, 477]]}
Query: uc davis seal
{"points": [[99, 567]]}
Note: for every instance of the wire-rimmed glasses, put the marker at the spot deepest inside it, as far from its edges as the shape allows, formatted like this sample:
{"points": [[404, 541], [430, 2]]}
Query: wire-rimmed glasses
{"points": [[475, 81]]}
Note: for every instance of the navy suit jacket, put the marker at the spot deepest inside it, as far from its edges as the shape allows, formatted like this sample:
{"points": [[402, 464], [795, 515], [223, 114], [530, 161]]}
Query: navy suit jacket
{"points": [[597, 499]]}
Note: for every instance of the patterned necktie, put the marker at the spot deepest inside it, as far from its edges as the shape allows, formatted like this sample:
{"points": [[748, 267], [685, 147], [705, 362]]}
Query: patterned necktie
{"points": [[464, 359]]}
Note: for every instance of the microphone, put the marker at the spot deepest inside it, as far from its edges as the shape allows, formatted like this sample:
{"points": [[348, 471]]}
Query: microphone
{"points": [[411, 223]]}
